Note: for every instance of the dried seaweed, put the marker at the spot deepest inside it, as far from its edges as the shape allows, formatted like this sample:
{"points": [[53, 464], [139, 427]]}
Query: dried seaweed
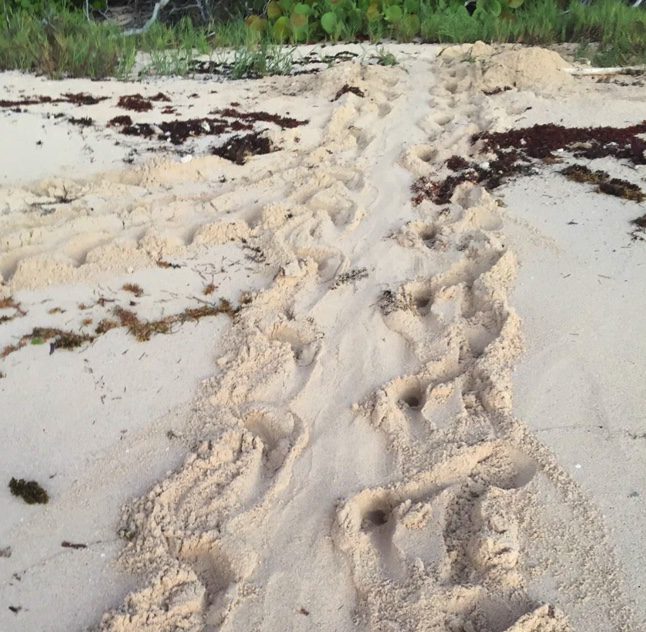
{"points": [[347, 277], [605, 184], [135, 102], [80, 98], [83, 121], [124, 119], [284, 122], [540, 141], [521, 152], [238, 148], [30, 491], [347, 88], [143, 330], [133, 288], [10, 303]]}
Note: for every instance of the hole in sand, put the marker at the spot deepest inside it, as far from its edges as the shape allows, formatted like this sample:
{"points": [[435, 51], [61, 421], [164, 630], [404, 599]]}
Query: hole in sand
{"points": [[384, 109], [422, 301], [376, 517], [263, 426], [412, 398], [292, 337], [213, 569], [429, 236], [443, 119], [510, 468], [425, 153]]}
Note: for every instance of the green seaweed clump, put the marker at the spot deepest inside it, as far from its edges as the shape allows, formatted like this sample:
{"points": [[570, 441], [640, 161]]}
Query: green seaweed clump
{"points": [[30, 491]]}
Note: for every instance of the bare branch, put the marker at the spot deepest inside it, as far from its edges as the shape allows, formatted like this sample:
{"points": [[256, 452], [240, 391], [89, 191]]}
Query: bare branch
{"points": [[151, 20], [615, 70]]}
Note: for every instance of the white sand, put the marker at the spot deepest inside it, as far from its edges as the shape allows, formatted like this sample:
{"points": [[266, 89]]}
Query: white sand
{"points": [[365, 445]]}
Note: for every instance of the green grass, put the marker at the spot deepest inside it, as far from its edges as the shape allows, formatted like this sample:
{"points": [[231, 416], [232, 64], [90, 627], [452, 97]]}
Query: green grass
{"points": [[261, 61], [62, 43]]}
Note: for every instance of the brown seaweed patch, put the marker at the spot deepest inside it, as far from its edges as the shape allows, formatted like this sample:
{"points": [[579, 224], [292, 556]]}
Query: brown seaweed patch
{"points": [[520, 151], [347, 88], [9, 303], [30, 491], [496, 90], [105, 326], [135, 102], [490, 174], [143, 330], [581, 173], [228, 120], [284, 122], [58, 338], [238, 148], [639, 231], [80, 98], [177, 132], [124, 119], [539, 141], [622, 189], [605, 184], [457, 163], [83, 121], [133, 288], [160, 96]]}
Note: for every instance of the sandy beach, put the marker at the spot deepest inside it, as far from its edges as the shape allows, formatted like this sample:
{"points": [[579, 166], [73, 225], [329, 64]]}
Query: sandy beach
{"points": [[360, 348]]}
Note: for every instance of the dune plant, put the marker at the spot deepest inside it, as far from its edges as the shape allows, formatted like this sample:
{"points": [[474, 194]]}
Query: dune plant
{"points": [[313, 20], [63, 43], [261, 61]]}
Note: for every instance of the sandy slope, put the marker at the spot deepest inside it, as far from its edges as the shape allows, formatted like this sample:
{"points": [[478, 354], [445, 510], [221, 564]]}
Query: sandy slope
{"points": [[354, 458]]}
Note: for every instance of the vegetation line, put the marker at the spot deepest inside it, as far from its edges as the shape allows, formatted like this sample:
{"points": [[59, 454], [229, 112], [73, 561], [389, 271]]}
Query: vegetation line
{"points": [[57, 38]]}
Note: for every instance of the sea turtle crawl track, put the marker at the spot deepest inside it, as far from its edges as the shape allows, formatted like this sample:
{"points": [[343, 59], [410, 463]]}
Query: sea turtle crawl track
{"points": [[359, 422], [451, 544], [197, 535]]}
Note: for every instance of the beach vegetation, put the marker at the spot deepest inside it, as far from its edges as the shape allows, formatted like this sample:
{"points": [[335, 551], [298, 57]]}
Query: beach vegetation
{"points": [[65, 40]]}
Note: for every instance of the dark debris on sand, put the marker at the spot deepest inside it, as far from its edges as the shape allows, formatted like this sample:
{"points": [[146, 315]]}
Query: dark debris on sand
{"points": [[228, 121], [347, 88], [522, 151], [30, 491], [238, 148], [284, 122], [80, 98], [139, 103], [541, 141], [83, 121], [135, 102]]}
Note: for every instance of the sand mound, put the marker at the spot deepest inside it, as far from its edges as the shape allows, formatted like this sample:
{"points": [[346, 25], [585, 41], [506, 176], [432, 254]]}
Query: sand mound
{"points": [[499, 68]]}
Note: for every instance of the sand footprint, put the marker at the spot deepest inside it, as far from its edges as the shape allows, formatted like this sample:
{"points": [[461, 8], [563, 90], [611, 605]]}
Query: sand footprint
{"points": [[447, 535]]}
